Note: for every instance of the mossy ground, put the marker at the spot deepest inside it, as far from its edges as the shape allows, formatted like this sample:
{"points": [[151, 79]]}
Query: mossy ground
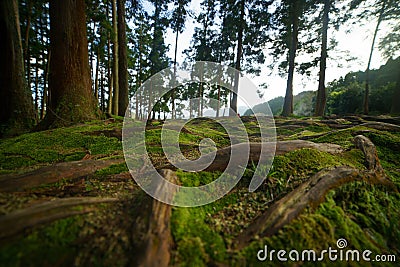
{"points": [[366, 216]]}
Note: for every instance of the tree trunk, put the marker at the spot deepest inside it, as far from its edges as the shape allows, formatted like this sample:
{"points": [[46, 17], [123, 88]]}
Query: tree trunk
{"points": [[294, 14], [26, 47], [396, 96], [366, 95], [321, 94], [96, 79], [102, 91], [174, 78], [70, 90], [16, 104], [37, 89], [45, 99], [123, 96], [109, 75], [115, 59], [233, 104]]}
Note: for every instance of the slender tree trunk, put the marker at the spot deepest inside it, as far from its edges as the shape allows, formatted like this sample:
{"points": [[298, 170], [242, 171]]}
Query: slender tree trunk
{"points": [[115, 59], [37, 89], [174, 78], [288, 104], [109, 62], [16, 104], [102, 91], [45, 101], [122, 61], [321, 94], [96, 79], [26, 45], [366, 95], [233, 104], [190, 109], [396, 96], [71, 96]]}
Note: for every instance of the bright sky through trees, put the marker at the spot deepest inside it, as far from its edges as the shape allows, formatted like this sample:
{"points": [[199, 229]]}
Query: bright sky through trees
{"points": [[354, 41]]}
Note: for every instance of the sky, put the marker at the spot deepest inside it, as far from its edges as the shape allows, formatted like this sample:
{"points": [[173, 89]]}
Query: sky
{"points": [[356, 40]]}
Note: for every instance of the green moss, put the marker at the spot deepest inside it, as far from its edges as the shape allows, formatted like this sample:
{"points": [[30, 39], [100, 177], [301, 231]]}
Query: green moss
{"points": [[48, 246], [63, 144], [113, 169], [196, 179], [319, 231], [197, 243]]}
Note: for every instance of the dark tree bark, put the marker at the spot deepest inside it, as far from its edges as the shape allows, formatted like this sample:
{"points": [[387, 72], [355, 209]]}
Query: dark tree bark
{"points": [[239, 53], [16, 104], [294, 15], [396, 96], [321, 94], [366, 95], [115, 59], [70, 91], [123, 95]]}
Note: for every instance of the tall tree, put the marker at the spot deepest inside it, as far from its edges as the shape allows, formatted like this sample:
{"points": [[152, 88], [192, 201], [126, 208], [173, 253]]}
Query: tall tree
{"points": [[241, 19], [321, 94], [178, 25], [295, 11], [71, 97], [390, 46], [115, 77], [123, 85], [16, 104], [380, 19]]}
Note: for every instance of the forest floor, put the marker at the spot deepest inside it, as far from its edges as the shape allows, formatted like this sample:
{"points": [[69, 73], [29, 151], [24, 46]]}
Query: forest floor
{"points": [[67, 198]]}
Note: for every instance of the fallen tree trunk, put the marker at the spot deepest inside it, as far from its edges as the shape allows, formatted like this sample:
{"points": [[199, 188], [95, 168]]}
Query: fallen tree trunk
{"points": [[312, 192], [54, 173], [16, 222]]}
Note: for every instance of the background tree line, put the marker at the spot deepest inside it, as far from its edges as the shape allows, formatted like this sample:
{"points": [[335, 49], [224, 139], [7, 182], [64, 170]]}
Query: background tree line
{"points": [[69, 61]]}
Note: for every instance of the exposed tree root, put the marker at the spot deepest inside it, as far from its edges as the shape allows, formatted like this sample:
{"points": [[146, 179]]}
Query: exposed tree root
{"points": [[54, 173], [382, 126], [222, 157], [152, 235], [312, 192], [16, 222]]}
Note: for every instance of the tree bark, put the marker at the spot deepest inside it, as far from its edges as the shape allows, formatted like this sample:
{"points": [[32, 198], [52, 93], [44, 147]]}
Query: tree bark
{"points": [[16, 103], [123, 95], [321, 94], [115, 59], [70, 90], [152, 230], [396, 96], [222, 157], [239, 52], [366, 95], [174, 77], [20, 220], [52, 174], [294, 14]]}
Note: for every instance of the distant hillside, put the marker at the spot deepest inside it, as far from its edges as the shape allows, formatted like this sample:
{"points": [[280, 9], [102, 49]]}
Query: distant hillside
{"points": [[303, 105], [346, 94]]}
